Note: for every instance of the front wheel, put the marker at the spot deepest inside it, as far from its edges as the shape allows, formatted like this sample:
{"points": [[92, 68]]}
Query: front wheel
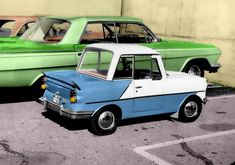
{"points": [[104, 122], [195, 69], [190, 110]]}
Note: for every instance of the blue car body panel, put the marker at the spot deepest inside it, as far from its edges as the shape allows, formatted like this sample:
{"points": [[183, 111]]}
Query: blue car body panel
{"points": [[95, 93]]}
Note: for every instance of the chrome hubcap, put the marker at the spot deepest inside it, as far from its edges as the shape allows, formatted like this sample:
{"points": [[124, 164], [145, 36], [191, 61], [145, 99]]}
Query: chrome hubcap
{"points": [[195, 70], [191, 109], [106, 120]]}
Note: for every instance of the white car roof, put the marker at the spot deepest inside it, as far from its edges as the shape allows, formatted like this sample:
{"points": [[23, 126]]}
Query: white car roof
{"points": [[123, 48]]}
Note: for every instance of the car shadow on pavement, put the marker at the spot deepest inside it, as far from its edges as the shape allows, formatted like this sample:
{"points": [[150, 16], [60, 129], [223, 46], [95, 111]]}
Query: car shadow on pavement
{"points": [[146, 119], [217, 91], [68, 124], [74, 125], [14, 95]]}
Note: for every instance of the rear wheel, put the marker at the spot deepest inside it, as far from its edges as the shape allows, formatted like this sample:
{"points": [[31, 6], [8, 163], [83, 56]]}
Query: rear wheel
{"points": [[190, 110], [195, 69], [104, 122]]}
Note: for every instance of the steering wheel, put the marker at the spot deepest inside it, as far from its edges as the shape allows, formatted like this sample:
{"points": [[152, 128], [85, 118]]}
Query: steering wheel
{"points": [[111, 35]]}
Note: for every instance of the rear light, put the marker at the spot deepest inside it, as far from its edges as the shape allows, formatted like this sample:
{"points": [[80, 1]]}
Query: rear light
{"points": [[44, 85], [73, 98]]}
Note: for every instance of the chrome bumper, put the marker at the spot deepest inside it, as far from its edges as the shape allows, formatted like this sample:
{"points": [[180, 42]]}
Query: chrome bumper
{"points": [[214, 67], [48, 105]]}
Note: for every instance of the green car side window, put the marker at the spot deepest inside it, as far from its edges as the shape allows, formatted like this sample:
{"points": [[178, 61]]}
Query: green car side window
{"points": [[98, 32]]}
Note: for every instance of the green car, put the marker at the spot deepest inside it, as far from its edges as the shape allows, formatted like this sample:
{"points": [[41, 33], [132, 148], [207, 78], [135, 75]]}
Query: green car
{"points": [[54, 43]]}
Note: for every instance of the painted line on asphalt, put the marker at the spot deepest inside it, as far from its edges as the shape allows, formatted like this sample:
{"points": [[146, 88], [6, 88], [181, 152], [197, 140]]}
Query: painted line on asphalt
{"points": [[142, 150], [221, 97]]}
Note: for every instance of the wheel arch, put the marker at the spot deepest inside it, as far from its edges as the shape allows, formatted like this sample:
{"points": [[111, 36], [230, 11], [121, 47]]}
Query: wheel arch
{"points": [[202, 61], [195, 96], [112, 107], [37, 79]]}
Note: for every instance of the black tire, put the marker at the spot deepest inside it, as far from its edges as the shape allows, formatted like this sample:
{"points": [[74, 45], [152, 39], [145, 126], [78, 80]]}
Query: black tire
{"points": [[190, 110], [104, 122], [195, 69]]}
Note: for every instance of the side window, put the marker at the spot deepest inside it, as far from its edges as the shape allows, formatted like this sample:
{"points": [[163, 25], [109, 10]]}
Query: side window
{"points": [[124, 68], [6, 27], [131, 33], [57, 31], [146, 67], [142, 67], [98, 32], [24, 28]]}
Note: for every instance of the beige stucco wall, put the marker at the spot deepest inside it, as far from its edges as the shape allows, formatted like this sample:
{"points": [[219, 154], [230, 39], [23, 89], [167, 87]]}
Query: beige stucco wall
{"points": [[209, 21], [60, 7]]}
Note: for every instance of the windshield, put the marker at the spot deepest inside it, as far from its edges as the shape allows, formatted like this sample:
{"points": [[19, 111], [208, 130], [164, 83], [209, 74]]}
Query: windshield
{"points": [[47, 30], [95, 63]]}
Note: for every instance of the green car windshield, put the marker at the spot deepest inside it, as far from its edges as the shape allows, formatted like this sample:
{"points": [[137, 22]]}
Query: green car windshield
{"points": [[95, 63], [47, 31]]}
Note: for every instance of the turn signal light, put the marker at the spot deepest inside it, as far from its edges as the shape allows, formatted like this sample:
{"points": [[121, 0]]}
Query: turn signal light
{"points": [[43, 86], [73, 98]]}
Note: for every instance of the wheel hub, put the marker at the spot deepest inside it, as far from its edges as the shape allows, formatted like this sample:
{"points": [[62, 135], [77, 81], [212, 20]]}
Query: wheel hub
{"points": [[106, 120], [195, 70], [191, 109]]}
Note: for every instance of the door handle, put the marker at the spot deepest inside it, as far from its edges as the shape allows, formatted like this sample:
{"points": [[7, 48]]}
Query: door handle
{"points": [[138, 87]]}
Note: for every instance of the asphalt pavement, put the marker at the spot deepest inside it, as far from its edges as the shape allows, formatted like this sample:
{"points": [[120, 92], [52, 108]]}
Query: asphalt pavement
{"points": [[31, 136]]}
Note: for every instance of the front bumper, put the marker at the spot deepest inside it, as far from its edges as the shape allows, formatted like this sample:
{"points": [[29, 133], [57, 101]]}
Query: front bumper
{"points": [[48, 105], [214, 68]]}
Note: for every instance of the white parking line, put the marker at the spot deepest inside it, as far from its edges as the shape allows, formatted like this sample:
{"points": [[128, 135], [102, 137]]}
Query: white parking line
{"points": [[221, 97], [142, 150]]}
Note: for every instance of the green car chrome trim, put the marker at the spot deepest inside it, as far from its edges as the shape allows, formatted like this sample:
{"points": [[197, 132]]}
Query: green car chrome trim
{"points": [[22, 60]]}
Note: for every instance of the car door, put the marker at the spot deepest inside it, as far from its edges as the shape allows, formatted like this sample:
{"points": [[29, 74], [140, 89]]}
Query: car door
{"points": [[148, 85]]}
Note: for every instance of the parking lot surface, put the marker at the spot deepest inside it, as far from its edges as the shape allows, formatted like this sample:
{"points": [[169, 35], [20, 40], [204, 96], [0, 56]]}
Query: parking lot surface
{"points": [[29, 135]]}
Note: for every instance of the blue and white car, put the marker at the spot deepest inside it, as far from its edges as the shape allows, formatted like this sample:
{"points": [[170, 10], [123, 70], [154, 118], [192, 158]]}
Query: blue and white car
{"points": [[120, 81]]}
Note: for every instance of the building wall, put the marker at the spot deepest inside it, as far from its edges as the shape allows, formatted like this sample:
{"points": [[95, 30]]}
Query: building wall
{"points": [[210, 21], [60, 7]]}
